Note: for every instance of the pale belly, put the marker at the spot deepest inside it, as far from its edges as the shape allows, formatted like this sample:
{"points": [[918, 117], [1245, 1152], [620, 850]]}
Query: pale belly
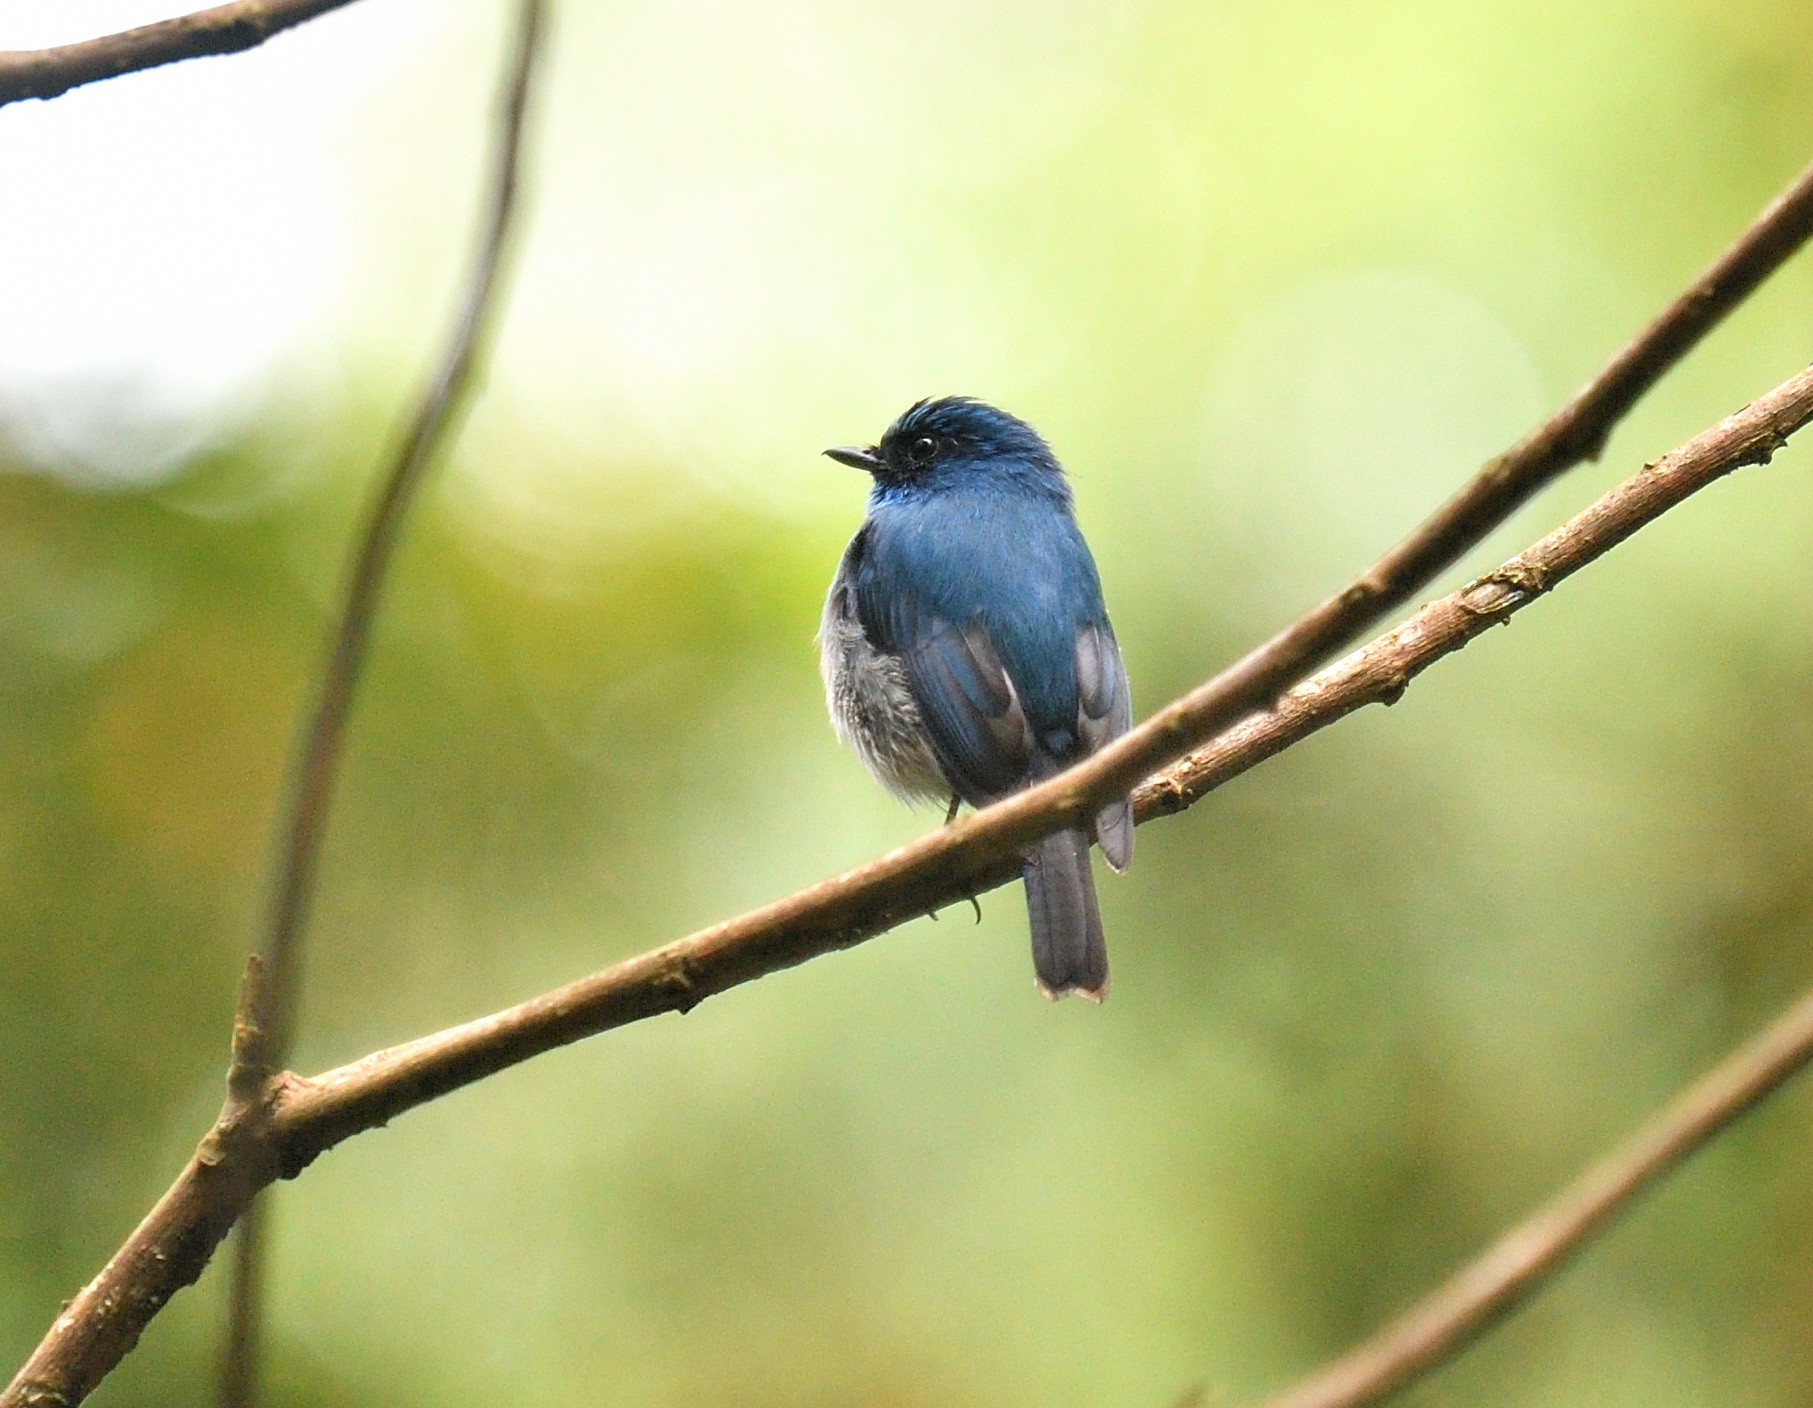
{"points": [[872, 707]]}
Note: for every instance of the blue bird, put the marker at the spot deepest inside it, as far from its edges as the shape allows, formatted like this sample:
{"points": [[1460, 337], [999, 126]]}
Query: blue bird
{"points": [[967, 654]]}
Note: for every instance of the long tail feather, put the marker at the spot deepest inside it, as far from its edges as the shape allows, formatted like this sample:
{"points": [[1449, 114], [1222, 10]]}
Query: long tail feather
{"points": [[1069, 953]]}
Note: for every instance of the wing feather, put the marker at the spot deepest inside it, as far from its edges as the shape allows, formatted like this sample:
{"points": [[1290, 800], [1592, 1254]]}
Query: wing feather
{"points": [[971, 708], [1104, 712]]}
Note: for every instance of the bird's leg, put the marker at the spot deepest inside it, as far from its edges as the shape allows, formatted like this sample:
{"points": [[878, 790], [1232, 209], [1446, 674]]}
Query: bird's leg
{"points": [[949, 817], [968, 895]]}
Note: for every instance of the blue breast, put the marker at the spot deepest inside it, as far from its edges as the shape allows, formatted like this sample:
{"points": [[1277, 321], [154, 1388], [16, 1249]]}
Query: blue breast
{"points": [[1005, 555]]}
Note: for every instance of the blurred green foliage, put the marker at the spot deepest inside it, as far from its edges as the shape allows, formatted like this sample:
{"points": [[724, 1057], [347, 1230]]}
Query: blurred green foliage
{"points": [[1273, 278]]}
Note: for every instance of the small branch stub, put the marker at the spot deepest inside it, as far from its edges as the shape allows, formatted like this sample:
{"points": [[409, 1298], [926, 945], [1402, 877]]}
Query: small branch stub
{"points": [[250, 1062]]}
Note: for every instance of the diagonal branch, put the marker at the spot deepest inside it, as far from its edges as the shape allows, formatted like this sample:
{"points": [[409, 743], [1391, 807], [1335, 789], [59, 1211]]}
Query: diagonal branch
{"points": [[945, 865], [1577, 432], [1500, 1278], [224, 29], [307, 1117]]}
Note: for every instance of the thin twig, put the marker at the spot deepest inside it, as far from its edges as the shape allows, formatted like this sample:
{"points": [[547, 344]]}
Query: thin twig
{"points": [[307, 1117], [267, 1005], [223, 29], [1507, 1272], [1577, 432], [264, 1025], [245, 1306]]}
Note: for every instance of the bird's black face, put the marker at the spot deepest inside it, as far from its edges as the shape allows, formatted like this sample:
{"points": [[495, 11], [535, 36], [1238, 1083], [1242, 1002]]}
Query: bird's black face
{"points": [[900, 458], [948, 432]]}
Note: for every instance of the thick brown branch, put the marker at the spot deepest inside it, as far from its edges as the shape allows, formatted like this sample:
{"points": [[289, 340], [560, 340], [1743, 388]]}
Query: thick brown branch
{"points": [[945, 865], [223, 29], [165, 1252], [307, 1117], [1508, 1271]]}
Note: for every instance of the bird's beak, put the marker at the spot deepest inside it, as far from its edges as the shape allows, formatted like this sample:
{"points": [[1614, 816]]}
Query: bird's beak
{"points": [[856, 456]]}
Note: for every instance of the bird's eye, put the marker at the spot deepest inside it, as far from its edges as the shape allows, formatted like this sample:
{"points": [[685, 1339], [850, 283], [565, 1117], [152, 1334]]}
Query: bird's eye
{"points": [[923, 450]]}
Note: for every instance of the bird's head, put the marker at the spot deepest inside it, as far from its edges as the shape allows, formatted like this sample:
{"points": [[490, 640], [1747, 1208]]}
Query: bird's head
{"points": [[952, 439]]}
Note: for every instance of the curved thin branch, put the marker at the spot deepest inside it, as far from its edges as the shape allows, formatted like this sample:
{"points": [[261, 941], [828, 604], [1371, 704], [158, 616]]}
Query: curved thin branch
{"points": [[1504, 1275], [264, 1026], [224, 29], [1577, 432], [218, 1186], [266, 1013]]}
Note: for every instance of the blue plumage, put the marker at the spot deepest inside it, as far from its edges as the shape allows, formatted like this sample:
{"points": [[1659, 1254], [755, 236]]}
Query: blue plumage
{"points": [[967, 653]]}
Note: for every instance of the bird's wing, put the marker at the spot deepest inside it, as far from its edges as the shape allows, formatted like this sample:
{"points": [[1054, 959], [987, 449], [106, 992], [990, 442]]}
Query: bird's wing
{"points": [[978, 607], [970, 706], [1104, 712], [1104, 704]]}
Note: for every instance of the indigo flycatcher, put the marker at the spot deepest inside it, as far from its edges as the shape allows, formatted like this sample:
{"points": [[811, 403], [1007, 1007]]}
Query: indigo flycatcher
{"points": [[967, 653]]}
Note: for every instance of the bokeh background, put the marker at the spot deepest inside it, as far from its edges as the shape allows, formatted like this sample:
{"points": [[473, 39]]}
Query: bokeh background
{"points": [[1273, 278]]}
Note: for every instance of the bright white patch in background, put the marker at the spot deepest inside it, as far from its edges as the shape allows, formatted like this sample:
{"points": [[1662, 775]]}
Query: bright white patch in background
{"points": [[759, 232], [169, 235], [740, 224]]}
